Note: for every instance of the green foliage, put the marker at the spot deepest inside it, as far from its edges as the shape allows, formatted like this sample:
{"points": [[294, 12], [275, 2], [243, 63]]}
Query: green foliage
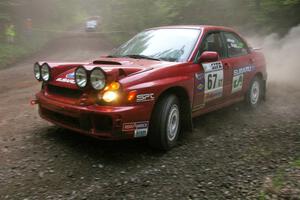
{"points": [[258, 16], [8, 53], [45, 14]]}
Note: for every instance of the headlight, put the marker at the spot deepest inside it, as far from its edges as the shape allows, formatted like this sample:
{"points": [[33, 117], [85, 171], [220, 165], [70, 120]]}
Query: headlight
{"points": [[37, 71], [110, 96], [98, 79], [45, 72], [81, 77]]}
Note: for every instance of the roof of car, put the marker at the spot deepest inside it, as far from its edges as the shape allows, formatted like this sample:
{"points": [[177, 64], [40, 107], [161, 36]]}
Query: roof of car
{"points": [[208, 27]]}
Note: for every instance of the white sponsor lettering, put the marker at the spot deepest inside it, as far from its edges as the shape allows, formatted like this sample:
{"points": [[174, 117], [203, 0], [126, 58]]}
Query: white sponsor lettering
{"points": [[145, 97], [243, 70], [66, 80]]}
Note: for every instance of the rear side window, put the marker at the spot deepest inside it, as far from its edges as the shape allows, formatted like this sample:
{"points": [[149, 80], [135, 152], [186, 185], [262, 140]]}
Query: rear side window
{"points": [[235, 45], [213, 42]]}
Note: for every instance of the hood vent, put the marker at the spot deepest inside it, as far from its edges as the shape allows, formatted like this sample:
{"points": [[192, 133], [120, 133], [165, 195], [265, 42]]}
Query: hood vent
{"points": [[105, 62]]}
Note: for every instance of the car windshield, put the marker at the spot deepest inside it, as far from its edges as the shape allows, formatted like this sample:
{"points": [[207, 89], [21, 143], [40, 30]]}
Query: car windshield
{"points": [[174, 45]]}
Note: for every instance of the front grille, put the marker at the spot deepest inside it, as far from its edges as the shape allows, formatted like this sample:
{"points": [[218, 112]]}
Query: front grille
{"points": [[101, 123], [57, 117], [65, 92]]}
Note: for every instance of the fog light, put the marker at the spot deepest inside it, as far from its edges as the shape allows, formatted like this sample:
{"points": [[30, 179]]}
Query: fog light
{"points": [[115, 86], [110, 96]]}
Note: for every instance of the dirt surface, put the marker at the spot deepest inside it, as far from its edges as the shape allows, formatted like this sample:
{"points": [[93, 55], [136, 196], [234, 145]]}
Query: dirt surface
{"points": [[228, 156]]}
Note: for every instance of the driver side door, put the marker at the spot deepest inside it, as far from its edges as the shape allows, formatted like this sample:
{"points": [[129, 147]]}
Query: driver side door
{"points": [[215, 74]]}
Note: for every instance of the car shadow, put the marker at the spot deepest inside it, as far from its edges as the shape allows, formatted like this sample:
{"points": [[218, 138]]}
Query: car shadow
{"points": [[130, 150], [124, 150]]}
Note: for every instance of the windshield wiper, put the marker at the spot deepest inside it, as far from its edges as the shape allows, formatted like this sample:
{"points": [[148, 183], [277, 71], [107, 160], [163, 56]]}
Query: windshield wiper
{"points": [[136, 56]]}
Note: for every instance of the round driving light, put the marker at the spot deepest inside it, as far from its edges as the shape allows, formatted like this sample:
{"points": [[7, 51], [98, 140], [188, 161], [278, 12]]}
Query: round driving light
{"points": [[81, 77], [98, 79], [37, 71], [45, 72], [110, 96]]}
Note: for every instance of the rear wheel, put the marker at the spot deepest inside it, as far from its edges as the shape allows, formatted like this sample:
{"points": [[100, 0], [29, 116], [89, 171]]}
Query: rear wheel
{"points": [[165, 123], [255, 92]]}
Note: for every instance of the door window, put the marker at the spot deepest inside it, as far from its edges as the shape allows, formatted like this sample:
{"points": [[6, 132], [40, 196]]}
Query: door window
{"points": [[235, 45], [213, 42]]}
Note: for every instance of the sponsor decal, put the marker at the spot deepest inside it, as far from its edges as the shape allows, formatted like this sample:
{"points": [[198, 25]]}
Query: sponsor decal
{"points": [[210, 67], [214, 76], [238, 77], [69, 78], [71, 75], [200, 87], [66, 80], [237, 83], [143, 132], [212, 95], [135, 125], [145, 97], [243, 70], [199, 82], [140, 128], [199, 76]]}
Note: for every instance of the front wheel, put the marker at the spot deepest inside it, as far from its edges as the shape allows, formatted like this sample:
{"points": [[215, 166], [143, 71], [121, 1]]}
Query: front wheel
{"points": [[165, 123], [255, 92]]}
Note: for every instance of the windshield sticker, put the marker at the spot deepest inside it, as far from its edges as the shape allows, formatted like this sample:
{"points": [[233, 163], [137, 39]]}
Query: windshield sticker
{"points": [[214, 76]]}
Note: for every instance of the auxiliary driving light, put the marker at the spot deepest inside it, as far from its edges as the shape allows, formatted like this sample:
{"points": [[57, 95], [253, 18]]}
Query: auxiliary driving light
{"points": [[45, 72], [81, 77], [97, 79], [37, 71]]}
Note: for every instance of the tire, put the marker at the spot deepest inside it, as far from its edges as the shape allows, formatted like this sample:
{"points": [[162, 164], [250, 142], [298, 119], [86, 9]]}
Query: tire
{"points": [[165, 124], [255, 93]]}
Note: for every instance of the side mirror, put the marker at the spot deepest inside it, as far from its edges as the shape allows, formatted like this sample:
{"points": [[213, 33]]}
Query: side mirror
{"points": [[208, 56]]}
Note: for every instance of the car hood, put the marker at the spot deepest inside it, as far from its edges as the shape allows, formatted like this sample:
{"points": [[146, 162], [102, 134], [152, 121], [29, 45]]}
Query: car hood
{"points": [[63, 74]]}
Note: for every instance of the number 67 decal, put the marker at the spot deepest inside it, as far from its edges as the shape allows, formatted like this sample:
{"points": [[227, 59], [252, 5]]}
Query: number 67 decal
{"points": [[211, 81], [214, 75]]}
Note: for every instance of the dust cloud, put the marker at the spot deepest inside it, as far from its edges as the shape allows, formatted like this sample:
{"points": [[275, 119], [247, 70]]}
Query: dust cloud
{"points": [[282, 55]]}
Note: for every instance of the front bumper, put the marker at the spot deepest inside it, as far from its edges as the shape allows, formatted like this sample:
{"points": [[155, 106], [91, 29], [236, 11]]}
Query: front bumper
{"points": [[105, 122]]}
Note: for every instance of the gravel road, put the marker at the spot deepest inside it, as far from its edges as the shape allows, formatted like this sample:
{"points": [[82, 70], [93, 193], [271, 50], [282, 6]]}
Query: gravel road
{"points": [[228, 155]]}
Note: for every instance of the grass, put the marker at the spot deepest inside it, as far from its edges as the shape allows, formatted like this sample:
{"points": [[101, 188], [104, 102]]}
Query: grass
{"points": [[262, 196], [296, 163], [278, 180], [11, 53]]}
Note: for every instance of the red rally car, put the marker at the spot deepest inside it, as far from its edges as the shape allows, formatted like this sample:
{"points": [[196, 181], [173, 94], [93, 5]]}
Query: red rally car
{"points": [[153, 85]]}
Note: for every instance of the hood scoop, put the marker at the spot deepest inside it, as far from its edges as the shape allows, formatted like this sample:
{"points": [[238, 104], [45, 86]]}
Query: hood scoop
{"points": [[106, 62]]}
